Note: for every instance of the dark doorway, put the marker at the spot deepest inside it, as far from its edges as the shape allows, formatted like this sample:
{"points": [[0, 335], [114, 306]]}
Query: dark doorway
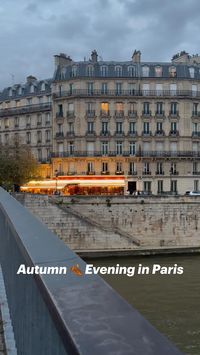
{"points": [[131, 186]]}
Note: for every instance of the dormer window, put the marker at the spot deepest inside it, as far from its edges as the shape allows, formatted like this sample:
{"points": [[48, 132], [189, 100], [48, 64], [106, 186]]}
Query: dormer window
{"points": [[63, 73], [10, 92], [20, 90], [104, 70], [90, 70], [131, 71], [145, 71], [158, 72], [32, 89], [172, 72], [43, 87], [74, 71], [118, 71], [191, 71]]}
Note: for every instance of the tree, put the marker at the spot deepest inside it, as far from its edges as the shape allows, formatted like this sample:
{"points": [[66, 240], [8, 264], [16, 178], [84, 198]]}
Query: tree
{"points": [[17, 165]]}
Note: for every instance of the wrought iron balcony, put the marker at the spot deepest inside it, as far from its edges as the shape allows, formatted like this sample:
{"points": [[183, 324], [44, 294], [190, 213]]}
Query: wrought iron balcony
{"points": [[195, 114], [195, 134], [119, 114], [174, 114], [132, 114], [90, 113], [90, 134], [119, 172], [25, 109], [132, 133], [146, 133], [159, 133], [196, 172], [131, 172], [160, 114], [70, 114], [146, 172], [105, 172], [59, 135], [174, 172], [105, 113], [146, 113], [59, 114], [160, 172], [70, 134], [105, 133], [174, 133], [119, 134]]}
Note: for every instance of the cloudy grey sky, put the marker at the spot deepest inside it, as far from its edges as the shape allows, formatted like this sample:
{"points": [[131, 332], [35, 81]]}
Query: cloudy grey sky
{"points": [[32, 31]]}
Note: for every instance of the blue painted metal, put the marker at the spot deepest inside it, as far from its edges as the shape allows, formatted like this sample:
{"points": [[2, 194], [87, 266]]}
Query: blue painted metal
{"points": [[65, 314]]}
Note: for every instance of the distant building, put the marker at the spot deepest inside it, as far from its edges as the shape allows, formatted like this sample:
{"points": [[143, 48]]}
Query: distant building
{"points": [[135, 119]]}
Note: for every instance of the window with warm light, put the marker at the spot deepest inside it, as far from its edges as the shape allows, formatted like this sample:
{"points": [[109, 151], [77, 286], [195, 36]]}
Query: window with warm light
{"points": [[119, 106], [105, 107]]}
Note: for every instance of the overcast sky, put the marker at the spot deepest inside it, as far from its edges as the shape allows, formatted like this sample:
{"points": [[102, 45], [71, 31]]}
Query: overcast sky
{"points": [[32, 31]]}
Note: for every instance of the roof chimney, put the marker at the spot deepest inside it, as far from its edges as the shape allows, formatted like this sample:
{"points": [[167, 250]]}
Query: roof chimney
{"points": [[136, 57], [62, 60]]}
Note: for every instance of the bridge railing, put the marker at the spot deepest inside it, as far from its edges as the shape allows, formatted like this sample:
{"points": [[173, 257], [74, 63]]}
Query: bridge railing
{"points": [[64, 314]]}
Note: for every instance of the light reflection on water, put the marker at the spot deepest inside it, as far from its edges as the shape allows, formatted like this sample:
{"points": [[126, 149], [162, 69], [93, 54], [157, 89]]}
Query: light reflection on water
{"points": [[170, 302]]}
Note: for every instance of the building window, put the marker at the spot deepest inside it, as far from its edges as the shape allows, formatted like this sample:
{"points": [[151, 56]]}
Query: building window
{"points": [[146, 168], [132, 149], [158, 72], [145, 71], [173, 187], [90, 70], [146, 127], [119, 127], [160, 186], [173, 110], [159, 169], [16, 122], [131, 71], [118, 88], [104, 88], [146, 110], [132, 169], [47, 135], [28, 137], [29, 101], [195, 127], [196, 185], [104, 70], [32, 89], [173, 89], [173, 169], [39, 152], [43, 87], [147, 186], [40, 99], [119, 148], [104, 167], [173, 127], [191, 71], [6, 123], [104, 148], [105, 107], [159, 127], [195, 109], [70, 108], [39, 137], [47, 118], [172, 72], [71, 148], [90, 127], [39, 120], [119, 167], [28, 121], [159, 108], [90, 88], [19, 90], [6, 138], [104, 126], [131, 127], [131, 88], [90, 168], [74, 71], [118, 71], [195, 168]]}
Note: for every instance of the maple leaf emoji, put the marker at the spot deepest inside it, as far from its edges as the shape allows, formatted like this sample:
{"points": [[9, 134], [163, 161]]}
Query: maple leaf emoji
{"points": [[76, 270]]}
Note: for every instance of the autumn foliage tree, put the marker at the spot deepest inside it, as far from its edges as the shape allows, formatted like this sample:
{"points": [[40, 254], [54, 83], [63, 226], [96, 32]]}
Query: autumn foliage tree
{"points": [[17, 165]]}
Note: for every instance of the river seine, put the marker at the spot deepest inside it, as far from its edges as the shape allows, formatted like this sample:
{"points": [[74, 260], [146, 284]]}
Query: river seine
{"points": [[170, 302]]}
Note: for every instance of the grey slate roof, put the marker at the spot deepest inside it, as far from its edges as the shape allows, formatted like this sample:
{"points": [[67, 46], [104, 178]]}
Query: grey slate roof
{"points": [[26, 90]]}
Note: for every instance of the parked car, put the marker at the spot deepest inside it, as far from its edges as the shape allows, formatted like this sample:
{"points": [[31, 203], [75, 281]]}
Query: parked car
{"points": [[193, 193]]}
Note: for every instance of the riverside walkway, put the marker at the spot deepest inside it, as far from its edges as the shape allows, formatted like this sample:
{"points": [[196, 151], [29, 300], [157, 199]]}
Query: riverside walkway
{"points": [[64, 314]]}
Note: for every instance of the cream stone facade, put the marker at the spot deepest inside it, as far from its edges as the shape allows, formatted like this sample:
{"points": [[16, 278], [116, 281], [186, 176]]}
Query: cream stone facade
{"points": [[135, 119], [25, 115]]}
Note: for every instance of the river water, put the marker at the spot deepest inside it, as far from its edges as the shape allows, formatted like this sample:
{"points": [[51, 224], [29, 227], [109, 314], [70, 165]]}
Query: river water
{"points": [[170, 302]]}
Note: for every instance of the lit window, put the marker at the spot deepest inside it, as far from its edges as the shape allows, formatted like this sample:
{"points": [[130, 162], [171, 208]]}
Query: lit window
{"points": [[172, 72], [158, 72], [191, 71], [145, 71], [105, 107], [119, 106], [118, 71]]}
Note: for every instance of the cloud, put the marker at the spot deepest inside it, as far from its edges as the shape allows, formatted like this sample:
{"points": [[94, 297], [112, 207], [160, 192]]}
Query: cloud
{"points": [[32, 31]]}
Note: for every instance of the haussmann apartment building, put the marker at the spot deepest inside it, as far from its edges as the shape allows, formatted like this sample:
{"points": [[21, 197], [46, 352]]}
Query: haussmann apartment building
{"points": [[110, 126]]}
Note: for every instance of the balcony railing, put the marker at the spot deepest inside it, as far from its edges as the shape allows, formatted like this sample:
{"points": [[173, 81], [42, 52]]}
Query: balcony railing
{"points": [[146, 133], [132, 114], [195, 134], [132, 172], [159, 133], [174, 133], [59, 114], [146, 113], [160, 172], [145, 154], [25, 109], [119, 114], [128, 93], [105, 133], [196, 172], [90, 133], [174, 113], [105, 113], [70, 114], [146, 173], [59, 135], [90, 113], [160, 114]]}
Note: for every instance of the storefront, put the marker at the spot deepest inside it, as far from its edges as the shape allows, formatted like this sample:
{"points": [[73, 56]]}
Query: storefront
{"points": [[78, 185]]}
